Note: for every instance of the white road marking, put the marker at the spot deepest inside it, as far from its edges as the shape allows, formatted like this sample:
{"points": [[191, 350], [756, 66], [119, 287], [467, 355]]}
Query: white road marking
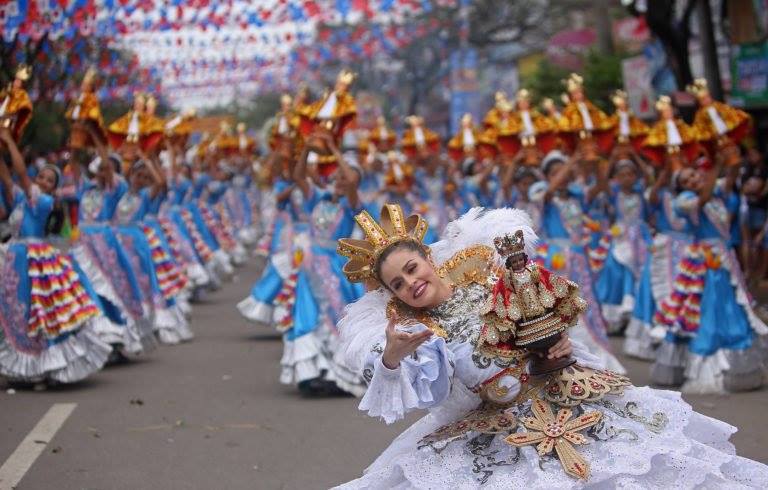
{"points": [[25, 455]]}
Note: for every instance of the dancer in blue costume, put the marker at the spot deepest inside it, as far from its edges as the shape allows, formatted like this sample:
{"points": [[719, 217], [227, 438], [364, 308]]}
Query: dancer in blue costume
{"points": [[709, 312], [563, 248], [200, 263], [516, 183], [219, 264], [322, 290], [215, 213], [239, 205], [429, 194], [146, 185], [480, 185], [259, 305], [627, 242], [372, 182], [101, 255], [171, 265], [673, 234], [45, 311]]}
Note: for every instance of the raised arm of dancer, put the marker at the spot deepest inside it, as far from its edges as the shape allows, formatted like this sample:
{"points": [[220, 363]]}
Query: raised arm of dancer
{"points": [[729, 183], [561, 178], [601, 184], [300, 173], [661, 182], [103, 152], [350, 175], [173, 158], [158, 181], [486, 172], [508, 176], [7, 182], [643, 166], [710, 181], [17, 161]]}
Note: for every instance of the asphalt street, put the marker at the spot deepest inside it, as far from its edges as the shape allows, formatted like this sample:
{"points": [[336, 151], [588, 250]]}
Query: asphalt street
{"points": [[211, 414]]}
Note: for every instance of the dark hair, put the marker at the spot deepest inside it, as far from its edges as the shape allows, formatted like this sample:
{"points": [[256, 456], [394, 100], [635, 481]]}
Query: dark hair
{"points": [[55, 222], [547, 167], [508, 262], [56, 173], [625, 162], [524, 173], [411, 245]]}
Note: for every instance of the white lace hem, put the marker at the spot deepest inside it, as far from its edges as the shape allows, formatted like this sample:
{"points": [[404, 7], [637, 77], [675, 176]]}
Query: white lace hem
{"points": [[638, 341], [256, 311], [171, 326], [302, 359], [73, 359]]}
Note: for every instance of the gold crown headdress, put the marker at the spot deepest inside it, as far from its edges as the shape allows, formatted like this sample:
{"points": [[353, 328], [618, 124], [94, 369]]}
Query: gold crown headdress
{"points": [[523, 94], [346, 77], [547, 103], [565, 98], [241, 127], [509, 245], [466, 119], [392, 228], [499, 96], [23, 72], [698, 88], [286, 99], [574, 82], [618, 97], [664, 102], [414, 120]]}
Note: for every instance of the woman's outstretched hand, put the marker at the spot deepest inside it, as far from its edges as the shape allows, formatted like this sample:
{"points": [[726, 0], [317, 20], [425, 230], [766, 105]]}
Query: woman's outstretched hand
{"points": [[401, 344], [563, 348]]}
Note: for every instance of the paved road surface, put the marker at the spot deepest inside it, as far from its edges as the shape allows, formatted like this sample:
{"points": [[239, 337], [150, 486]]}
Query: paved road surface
{"points": [[211, 414]]}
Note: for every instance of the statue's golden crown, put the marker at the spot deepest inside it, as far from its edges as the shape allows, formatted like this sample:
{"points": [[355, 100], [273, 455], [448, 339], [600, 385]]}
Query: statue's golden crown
{"points": [[346, 77], [523, 94], [414, 120], [618, 97], [508, 245], [392, 228], [698, 87], [574, 82], [664, 102]]}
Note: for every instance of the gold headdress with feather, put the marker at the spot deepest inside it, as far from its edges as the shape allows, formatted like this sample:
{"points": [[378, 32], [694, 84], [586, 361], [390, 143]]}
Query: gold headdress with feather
{"points": [[392, 228]]}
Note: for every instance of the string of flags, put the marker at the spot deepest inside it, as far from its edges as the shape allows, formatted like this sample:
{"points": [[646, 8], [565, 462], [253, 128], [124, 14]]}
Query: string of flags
{"points": [[185, 45]]}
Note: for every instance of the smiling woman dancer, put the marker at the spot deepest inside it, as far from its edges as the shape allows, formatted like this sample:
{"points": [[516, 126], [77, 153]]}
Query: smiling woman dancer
{"points": [[421, 342]]}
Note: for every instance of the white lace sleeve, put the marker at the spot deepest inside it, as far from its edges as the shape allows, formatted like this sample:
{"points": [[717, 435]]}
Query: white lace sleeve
{"points": [[421, 381], [584, 357]]}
